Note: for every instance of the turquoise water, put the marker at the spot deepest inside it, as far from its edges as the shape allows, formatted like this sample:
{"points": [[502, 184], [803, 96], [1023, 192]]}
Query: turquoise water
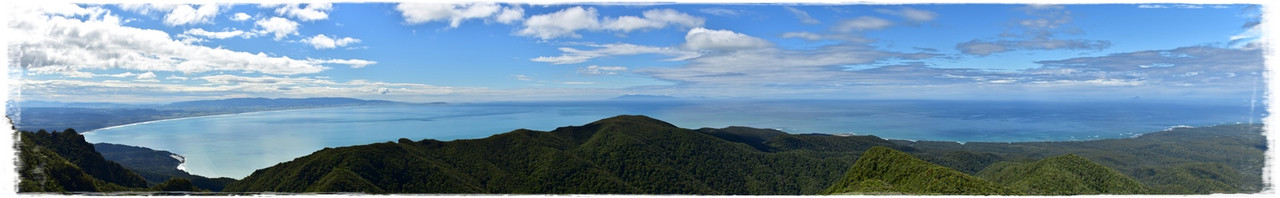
{"points": [[236, 145]]}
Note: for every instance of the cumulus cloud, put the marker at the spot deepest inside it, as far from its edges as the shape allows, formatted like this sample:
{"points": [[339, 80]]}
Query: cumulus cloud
{"points": [[45, 43], [280, 27], [563, 23], [178, 14], [861, 24], [510, 15], [147, 77], [567, 22], [416, 13], [321, 41], [572, 55], [601, 70], [707, 39], [803, 16], [653, 19], [310, 12], [240, 16]]}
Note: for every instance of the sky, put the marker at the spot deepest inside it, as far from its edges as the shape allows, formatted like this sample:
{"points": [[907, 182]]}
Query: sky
{"points": [[498, 51]]}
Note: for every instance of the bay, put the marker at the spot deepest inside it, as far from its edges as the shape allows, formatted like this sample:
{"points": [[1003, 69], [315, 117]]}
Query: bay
{"points": [[235, 145]]}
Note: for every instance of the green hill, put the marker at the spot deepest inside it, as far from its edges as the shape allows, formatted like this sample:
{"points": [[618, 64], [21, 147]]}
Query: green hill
{"points": [[64, 162], [1062, 175], [619, 155], [1201, 160], [71, 146], [883, 170], [156, 166]]}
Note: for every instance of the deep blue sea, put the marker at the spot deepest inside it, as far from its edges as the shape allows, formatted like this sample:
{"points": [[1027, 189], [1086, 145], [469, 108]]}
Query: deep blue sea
{"points": [[236, 145]]}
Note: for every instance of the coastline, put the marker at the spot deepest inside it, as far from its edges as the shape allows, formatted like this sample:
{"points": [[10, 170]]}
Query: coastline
{"points": [[210, 116]]}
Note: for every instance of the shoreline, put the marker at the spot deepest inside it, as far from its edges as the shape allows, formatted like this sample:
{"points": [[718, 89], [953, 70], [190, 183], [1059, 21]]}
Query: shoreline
{"points": [[209, 116]]}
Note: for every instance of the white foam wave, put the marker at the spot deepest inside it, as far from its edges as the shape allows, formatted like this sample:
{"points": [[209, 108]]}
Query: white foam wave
{"points": [[181, 161]]}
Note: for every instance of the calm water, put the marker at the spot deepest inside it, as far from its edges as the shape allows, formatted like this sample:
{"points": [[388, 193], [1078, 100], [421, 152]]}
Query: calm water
{"points": [[236, 145]]}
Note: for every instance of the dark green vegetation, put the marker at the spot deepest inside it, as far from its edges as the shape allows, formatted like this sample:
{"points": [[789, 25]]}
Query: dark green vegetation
{"points": [[90, 116], [886, 171], [620, 155], [1218, 159], [640, 155], [1062, 175], [156, 166], [64, 162]]}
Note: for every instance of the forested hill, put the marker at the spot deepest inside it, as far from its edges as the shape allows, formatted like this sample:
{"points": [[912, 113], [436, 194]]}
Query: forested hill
{"points": [[641, 155], [619, 155], [1217, 159], [63, 162]]}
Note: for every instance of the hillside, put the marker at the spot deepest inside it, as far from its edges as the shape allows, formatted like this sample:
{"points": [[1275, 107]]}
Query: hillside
{"points": [[1202, 160], [64, 162], [1062, 175], [883, 170], [156, 166], [71, 146], [619, 155]]}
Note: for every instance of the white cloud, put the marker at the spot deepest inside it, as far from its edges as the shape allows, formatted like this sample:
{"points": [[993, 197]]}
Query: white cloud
{"points": [[185, 14], [572, 55], [653, 19], [311, 12], [719, 11], [707, 39], [861, 24], [240, 16], [42, 44], [510, 15], [816, 37], [147, 77], [566, 22], [415, 13], [218, 35], [802, 35], [911, 14], [175, 77], [122, 75], [803, 16], [522, 77], [321, 41], [602, 70], [280, 27], [563, 23], [354, 63]]}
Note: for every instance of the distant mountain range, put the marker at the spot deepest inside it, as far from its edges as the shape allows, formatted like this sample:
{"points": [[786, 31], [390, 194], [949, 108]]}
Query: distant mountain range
{"points": [[36, 115], [273, 103]]}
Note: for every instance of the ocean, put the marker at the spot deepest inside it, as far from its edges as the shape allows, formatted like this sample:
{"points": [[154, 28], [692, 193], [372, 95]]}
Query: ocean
{"points": [[237, 144]]}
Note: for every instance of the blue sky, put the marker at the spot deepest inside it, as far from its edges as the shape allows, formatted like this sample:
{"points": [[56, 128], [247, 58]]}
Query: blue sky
{"points": [[465, 52]]}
